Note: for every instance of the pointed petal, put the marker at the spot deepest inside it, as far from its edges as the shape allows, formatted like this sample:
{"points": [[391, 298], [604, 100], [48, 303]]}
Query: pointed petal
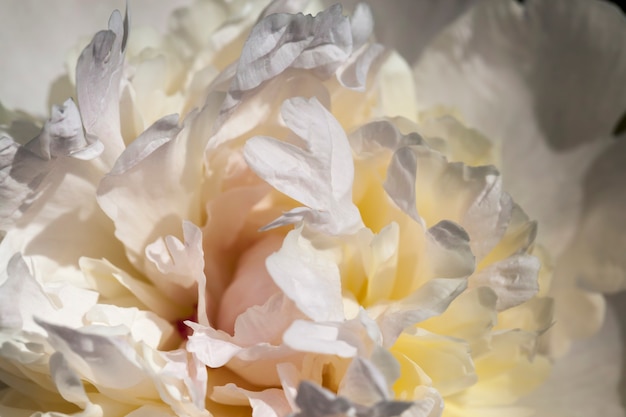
{"points": [[98, 76]]}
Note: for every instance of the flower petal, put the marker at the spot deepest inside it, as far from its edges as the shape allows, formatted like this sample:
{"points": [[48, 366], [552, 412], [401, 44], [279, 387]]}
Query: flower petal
{"points": [[23, 169], [67, 381], [164, 155], [595, 257], [281, 41], [308, 277], [452, 262], [98, 77], [320, 175], [410, 25], [514, 280], [540, 121], [586, 381], [97, 357], [23, 300]]}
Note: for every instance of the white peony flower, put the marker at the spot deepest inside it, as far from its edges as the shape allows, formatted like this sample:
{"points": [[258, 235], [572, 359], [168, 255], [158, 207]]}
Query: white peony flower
{"points": [[269, 213]]}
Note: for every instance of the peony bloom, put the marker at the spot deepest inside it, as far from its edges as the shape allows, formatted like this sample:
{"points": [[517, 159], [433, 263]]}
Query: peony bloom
{"points": [[265, 212]]}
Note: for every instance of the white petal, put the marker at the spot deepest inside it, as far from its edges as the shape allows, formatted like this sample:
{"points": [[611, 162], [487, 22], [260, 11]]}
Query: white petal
{"points": [[281, 41], [105, 360], [268, 403], [308, 277], [67, 381], [163, 156], [320, 175], [212, 347], [315, 401], [98, 76], [143, 326], [420, 179], [183, 382], [595, 257], [514, 280], [550, 125], [375, 137], [177, 267], [42, 29], [319, 338], [408, 26], [266, 323], [258, 333], [353, 73], [586, 381], [23, 300], [104, 275], [400, 182], [363, 383], [23, 169]]}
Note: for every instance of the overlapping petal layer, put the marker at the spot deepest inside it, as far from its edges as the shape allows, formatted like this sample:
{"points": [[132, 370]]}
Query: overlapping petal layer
{"points": [[304, 237]]}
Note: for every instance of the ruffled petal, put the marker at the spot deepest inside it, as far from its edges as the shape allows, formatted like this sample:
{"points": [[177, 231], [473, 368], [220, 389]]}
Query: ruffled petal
{"points": [[23, 300], [164, 155], [23, 169], [544, 139], [319, 175]]}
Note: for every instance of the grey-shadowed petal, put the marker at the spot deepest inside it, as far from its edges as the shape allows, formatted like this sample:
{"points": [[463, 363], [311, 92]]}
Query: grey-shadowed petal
{"points": [[67, 381], [319, 175], [319, 44], [315, 401], [110, 361], [585, 382], [547, 81], [280, 41], [408, 26], [513, 279], [98, 76], [23, 169]]}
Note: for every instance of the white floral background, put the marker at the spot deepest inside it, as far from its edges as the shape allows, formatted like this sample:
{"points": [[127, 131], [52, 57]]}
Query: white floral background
{"points": [[35, 36]]}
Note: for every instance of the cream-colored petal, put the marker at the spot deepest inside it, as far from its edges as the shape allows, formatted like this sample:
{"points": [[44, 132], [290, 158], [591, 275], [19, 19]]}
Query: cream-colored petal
{"points": [[308, 276], [586, 381], [162, 155]]}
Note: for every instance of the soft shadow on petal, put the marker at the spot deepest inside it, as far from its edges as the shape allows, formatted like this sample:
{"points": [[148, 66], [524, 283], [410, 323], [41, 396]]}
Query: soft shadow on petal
{"points": [[547, 81], [42, 29], [595, 257], [410, 25], [584, 382]]}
